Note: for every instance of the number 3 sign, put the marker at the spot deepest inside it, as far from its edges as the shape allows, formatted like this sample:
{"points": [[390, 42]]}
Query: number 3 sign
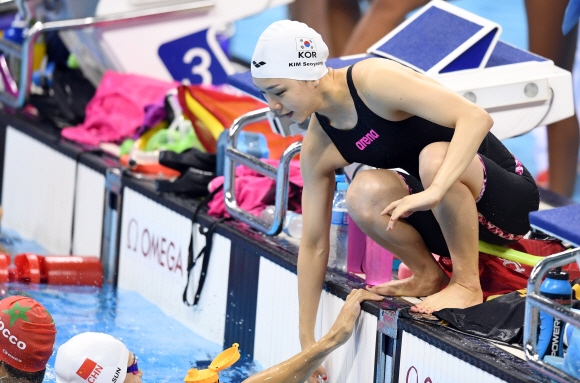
{"points": [[196, 59]]}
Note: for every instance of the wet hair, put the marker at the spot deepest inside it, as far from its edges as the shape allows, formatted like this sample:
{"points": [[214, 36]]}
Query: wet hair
{"points": [[23, 376]]}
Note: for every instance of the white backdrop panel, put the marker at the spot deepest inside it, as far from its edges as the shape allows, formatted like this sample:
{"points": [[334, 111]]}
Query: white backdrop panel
{"points": [[89, 210], [153, 261], [37, 192], [276, 336], [421, 361]]}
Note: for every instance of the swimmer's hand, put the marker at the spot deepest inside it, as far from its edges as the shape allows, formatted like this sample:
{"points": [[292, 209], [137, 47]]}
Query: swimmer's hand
{"points": [[425, 200], [343, 326], [319, 375]]}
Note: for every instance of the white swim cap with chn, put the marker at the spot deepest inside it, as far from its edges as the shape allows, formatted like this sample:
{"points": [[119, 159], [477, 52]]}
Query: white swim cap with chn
{"points": [[92, 357], [290, 49]]}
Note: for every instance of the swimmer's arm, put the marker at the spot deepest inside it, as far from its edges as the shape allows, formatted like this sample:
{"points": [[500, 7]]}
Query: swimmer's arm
{"points": [[298, 368], [416, 94], [318, 159], [301, 366]]}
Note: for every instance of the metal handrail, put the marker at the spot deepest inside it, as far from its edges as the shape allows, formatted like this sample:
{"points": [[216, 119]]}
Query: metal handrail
{"points": [[26, 52], [536, 303], [22, 9], [281, 175]]}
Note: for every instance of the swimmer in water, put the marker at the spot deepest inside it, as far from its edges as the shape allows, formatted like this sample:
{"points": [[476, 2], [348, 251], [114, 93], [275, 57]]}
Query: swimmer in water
{"points": [[98, 356], [101, 355], [28, 341]]}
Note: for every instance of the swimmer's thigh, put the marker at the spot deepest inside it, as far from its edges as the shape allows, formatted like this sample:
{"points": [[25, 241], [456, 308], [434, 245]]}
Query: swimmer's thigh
{"points": [[506, 203]]}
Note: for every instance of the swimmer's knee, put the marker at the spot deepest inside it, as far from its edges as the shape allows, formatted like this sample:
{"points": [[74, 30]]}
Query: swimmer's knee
{"points": [[430, 161], [363, 187], [371, 190]]}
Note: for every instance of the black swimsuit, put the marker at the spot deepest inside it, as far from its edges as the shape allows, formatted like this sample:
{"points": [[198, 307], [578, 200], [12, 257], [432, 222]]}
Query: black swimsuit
{"points": [[509, 192]]}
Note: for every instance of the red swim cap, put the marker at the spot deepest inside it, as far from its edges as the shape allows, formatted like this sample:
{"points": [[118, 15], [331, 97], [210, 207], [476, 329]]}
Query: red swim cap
{"points": [[27, 334]]}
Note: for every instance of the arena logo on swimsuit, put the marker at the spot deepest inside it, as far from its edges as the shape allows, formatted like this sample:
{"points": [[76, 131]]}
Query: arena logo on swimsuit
{"points": [[367, 139]]}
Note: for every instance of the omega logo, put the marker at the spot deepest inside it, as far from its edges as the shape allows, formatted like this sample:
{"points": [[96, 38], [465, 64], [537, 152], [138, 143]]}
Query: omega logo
{"points": [[416, 374], [154, 246]]}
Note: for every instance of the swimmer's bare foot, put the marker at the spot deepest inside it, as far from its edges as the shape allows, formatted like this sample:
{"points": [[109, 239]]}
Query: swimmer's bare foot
{"points": [[452, 296], [413, 286]]}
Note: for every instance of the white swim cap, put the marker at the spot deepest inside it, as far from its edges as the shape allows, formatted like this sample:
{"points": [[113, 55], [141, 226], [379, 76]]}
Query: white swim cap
{"points": [[93, 357], [290, 49]]}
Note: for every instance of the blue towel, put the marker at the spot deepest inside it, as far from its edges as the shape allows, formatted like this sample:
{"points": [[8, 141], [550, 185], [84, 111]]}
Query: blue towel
{"points": [[571, 16]]}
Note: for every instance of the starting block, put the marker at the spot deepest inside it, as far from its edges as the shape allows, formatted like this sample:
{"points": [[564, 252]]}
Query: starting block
{"points": [[561, 222], [441, 38]]}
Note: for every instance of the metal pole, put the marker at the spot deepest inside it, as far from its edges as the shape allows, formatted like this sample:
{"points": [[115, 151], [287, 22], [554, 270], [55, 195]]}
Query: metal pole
{"points": [[536, 302], [280, 175], [27, 49]]}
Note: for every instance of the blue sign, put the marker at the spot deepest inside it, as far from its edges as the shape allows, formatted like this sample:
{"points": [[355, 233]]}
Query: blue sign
{"points": [[192, 59]]}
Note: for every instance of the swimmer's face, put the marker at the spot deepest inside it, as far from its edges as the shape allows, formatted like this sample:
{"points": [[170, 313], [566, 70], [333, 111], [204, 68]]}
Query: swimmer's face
{"points": [[132, 378], [291, 98]]}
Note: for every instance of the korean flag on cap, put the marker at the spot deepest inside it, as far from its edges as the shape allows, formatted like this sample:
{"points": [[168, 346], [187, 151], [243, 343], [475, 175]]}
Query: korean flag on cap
{"points": [[305, 44]]}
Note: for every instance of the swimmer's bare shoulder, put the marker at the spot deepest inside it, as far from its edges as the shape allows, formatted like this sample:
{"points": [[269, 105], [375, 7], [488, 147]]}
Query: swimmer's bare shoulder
{"points": [[381, 71], [389, 88]]}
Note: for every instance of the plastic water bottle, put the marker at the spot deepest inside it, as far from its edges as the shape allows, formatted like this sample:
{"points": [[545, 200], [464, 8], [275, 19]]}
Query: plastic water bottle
{"points": [[339, 176], [568, 328], [339, 229], [378, 264], [293, 224], [251, 143], [570, 364], [267, 215], [292, 221], [357, 244], [557, 287], [16, 33]]}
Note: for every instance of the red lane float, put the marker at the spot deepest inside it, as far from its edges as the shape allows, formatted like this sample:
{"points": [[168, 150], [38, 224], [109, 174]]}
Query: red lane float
{"points": [[27, 268], [5, 261], [57, 270]]}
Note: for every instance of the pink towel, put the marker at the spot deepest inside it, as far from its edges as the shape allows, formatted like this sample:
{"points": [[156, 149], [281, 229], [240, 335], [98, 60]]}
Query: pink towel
{"points": [[117, 109], [255, 191]]}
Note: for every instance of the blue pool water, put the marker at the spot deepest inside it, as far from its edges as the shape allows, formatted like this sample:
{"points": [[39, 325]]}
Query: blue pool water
{"points": [[13, 244], [166, 349]]}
